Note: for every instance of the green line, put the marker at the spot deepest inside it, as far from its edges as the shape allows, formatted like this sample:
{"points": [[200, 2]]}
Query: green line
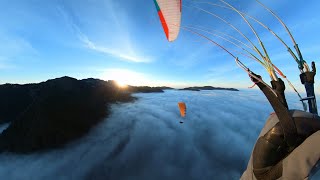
{"points": [[157, 6]]}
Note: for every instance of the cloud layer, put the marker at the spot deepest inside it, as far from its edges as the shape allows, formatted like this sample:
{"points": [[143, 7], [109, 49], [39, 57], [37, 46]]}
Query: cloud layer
{"points": [[144, 140]]}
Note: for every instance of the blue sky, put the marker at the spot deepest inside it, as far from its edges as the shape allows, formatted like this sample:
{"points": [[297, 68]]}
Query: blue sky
{"points": [[103, 39]]}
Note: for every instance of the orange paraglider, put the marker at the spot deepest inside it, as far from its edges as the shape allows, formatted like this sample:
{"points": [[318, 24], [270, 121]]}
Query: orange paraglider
{"points": [[183, 108]]}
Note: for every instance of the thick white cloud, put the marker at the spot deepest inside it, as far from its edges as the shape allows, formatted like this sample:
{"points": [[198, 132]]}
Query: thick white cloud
{"points": [[144, 140]]}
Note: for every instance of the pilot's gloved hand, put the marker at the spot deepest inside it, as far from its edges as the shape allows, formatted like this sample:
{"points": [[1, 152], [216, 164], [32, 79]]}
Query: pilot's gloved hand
{"points": [[301, 163]]}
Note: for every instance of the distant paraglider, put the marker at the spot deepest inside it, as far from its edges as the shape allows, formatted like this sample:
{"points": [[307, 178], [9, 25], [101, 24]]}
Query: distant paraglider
{"points": [[183, 108]]}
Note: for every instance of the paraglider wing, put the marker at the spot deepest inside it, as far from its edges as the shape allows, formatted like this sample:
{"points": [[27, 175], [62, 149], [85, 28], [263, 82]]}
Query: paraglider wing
{"points": [[183, 108], [169, 12]]}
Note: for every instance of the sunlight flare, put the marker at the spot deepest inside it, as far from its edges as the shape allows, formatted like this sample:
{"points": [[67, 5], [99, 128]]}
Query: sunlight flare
{"points": [[125, 77]]}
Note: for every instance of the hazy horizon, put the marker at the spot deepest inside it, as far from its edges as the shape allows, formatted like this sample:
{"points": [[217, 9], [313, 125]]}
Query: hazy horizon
{"points": [[179, 86]]}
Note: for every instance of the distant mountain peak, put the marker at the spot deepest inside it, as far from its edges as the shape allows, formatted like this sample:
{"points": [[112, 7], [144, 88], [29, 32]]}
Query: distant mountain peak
{"points": [[197, 88]]}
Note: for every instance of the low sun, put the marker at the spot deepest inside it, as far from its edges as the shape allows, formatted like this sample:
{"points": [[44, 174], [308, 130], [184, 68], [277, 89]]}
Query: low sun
{"points": [[125, 77], [121, 84]]}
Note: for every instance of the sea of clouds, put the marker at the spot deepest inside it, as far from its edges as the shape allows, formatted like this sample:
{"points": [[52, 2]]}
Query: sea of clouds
{"points": [[144, 140]]}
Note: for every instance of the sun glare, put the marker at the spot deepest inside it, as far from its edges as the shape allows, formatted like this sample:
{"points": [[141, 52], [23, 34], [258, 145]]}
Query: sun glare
{"points": [[121, 84], [125, 77]]}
